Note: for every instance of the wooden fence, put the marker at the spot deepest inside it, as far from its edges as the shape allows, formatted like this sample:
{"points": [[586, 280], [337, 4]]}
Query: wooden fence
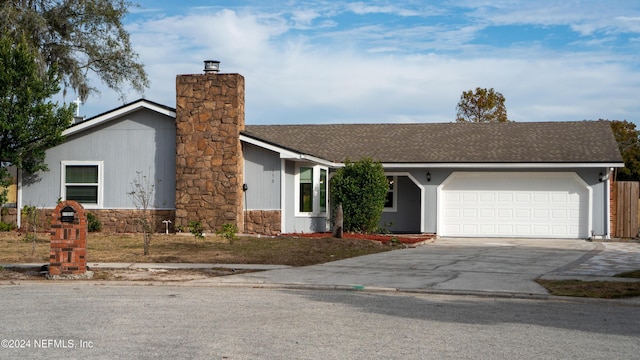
{"points": [[625, 209]]}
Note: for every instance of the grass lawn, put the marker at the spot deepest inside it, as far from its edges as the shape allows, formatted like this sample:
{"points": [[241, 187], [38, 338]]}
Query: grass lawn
{"points": [[293, 251]]}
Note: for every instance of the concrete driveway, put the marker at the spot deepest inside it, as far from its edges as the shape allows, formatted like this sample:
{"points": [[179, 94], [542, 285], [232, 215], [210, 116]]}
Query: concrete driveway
{"points": [[451, 265]]}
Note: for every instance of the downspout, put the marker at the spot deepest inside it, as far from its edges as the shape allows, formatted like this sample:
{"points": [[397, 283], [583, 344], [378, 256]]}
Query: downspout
{"points": [[607, 196], [283, 207]]}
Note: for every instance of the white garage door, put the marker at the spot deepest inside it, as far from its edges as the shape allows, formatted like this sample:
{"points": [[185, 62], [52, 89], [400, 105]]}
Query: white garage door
{"points": [[546, 205]]}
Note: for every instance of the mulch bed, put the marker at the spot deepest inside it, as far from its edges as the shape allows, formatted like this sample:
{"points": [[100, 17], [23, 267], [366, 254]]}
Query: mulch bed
{"points": [[408, 239]]}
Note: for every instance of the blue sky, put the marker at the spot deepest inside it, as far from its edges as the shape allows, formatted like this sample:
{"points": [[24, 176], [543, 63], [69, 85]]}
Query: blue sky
{"points": [[321, 61]]}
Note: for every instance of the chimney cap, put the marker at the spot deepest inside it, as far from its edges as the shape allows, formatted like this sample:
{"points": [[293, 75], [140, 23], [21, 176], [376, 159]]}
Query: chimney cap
{"points": [[211, 66]]}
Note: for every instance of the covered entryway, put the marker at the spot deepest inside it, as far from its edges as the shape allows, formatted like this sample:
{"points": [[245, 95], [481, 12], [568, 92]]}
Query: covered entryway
{"points": [[514, 204]]}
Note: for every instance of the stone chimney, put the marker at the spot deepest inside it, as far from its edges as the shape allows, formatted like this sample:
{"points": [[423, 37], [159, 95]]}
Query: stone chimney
{"points": [[209, 161]]}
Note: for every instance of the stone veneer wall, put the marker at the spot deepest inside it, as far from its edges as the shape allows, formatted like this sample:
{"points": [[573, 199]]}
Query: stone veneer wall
{"points": [[262, 222], [209, 162], [8, 215], [117, 221], [126, 221]]}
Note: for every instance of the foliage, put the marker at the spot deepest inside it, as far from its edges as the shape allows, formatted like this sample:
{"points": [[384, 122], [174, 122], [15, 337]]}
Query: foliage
{"points": [[29, 122], [141, 194], [80, 37], [5, 182], [628, 139], [32, 217], [483, 105], [228, 231], [361, 187], [195, 227], [93, 223], [5, 227]]}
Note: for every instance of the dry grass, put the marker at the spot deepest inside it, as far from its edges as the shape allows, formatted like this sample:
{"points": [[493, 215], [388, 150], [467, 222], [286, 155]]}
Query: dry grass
{"points": [[291, 251], [591, 289]]}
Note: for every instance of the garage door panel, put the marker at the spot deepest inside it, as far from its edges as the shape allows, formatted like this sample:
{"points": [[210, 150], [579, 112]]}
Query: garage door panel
{"points": [[487, 213], [504, 214], [468, 196], [540, 198], [505, 229], [470, 213], [541, 214], [515, 204], [470, 228], [541, 230], [559, 213], [505, 197], [523, 230]]}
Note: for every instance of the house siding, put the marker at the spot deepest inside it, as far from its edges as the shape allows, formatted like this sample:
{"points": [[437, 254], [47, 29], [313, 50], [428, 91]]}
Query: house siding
{"points": [[262, 176], [406, 218], [143, 141]]}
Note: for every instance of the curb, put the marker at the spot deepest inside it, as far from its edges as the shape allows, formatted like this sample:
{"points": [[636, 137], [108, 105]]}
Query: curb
{"points": [[344, 288]]}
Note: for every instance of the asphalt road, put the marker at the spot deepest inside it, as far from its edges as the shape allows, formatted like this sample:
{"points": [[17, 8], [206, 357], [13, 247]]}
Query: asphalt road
{"points": [[76, 321]]}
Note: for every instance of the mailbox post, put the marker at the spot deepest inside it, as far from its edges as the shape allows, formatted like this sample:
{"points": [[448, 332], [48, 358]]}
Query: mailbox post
{"points": [[68, 256]]}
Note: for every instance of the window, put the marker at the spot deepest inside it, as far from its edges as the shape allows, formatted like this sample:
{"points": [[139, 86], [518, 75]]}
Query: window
{"points": [[311, 193], [82, 182], [306, 189], [323, 190], [391, 202]]}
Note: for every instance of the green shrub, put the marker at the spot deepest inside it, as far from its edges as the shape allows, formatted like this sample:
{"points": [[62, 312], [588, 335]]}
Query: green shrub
{"points": [[5, 227], [195, 227], [228, 231], [361, 187], [93, 223]]}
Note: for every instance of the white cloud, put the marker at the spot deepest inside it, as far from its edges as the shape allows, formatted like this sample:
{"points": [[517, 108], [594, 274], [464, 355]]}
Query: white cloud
{"points": [[361, 8], [381, 72]]}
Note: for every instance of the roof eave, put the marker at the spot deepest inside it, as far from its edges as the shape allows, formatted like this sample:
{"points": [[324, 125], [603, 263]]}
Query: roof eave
{"points": [[124, 110], [506, 165]]}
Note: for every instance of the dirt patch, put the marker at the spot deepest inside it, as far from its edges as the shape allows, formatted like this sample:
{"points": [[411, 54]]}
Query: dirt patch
{"points": [[173, 248], [14, 274], [406, 239]]}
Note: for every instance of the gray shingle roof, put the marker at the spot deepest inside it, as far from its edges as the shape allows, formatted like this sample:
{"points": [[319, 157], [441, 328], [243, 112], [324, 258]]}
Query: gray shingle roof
{"points": [[513, 142]]}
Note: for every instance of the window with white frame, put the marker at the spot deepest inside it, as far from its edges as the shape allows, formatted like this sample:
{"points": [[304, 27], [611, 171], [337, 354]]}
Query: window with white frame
{"points": [[82, 182], [311, 192], [391, 201]]}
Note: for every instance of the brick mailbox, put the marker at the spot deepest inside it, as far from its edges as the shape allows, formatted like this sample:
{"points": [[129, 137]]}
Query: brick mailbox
{"points": [[68, 256]]}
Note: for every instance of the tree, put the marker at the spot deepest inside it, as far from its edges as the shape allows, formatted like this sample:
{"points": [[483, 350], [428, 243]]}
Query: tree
{"points": [[361, 187], [628, 139], [29, 122], [79, 37], [141, 194], [483, 105]]}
